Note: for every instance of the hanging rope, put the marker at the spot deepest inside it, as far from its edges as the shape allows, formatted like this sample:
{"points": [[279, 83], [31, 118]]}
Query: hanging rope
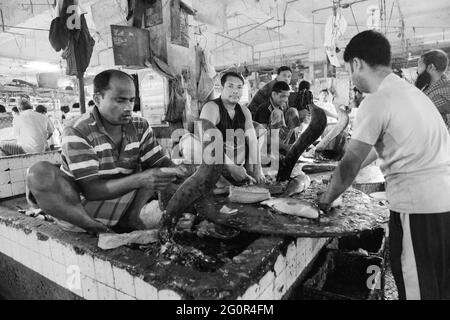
{"points": [[279, 35], [354, 18]]}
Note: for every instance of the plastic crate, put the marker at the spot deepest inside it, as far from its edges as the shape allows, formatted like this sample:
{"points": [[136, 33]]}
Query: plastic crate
{"points": [[343, 276]]}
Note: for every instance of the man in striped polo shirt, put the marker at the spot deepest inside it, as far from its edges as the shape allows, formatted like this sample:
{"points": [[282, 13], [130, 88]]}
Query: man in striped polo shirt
{"points": [[111, 166]]}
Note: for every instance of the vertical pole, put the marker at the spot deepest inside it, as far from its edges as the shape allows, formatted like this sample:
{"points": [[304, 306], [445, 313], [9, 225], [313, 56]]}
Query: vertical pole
{"points": [[81, 89]]}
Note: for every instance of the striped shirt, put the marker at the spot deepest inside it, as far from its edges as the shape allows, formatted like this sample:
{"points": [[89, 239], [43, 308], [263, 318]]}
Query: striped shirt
{"points": [[89, 151]]}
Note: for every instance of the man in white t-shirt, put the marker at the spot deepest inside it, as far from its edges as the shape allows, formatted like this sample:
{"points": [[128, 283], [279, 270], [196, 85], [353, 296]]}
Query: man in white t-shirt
{"points": [[32, 129], [411, 140]]}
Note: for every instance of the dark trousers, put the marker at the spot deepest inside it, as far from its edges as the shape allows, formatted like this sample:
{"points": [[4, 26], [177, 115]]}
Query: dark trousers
{"points": [[420, 255]]}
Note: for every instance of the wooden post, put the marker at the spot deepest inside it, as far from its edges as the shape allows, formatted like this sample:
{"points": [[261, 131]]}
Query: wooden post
{"points": [[81, 89]]}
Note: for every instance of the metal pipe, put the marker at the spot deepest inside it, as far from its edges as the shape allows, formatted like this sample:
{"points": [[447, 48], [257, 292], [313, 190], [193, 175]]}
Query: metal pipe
{"points": [[344, 5], [244, 43], [291, 46], [258, 25]]}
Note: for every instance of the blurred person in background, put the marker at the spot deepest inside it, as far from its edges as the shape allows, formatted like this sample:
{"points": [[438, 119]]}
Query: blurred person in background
{"points": [[433, 82], [284, 74], [31, 130], [43, 110]]}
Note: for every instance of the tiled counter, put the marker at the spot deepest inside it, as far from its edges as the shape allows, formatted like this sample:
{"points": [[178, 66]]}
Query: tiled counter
{"points": [[38, 259], [267, 269]]}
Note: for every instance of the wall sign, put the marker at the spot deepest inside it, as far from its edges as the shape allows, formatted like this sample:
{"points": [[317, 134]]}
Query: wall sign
{"points": [[131, 46]]}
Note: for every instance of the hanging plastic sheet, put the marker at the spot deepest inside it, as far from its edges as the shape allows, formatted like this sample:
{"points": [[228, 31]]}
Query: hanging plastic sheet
{"points": [[177, 102]]}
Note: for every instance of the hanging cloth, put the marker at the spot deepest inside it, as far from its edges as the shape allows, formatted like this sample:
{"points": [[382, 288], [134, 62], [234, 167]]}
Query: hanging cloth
{"points": [[79, 50]]}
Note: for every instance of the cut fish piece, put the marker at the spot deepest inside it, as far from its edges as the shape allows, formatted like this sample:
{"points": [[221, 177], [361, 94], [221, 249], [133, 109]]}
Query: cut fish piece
{"points": [[297, 184], [293, 207], [108, 241], [249, 194], [227, 210], [218, 191]]}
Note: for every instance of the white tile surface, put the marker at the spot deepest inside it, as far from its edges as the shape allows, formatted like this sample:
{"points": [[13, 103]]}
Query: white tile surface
{"points": [[124, 282], [4, 177], [44, 247], [59, 274], [70, 257], [252, 293], [268, 294], [280, 285], [123, 296], [36, 264], [74, 279], [47, 267], [18, 188], [4, 164], [29, 241], [15, 163], [14, 250], [267, 281], [280, 264], [145, 291], [86, 263], [90, 290], [57, 251], [104, 272], [20, 237], [16, 175], [168, 295], [5, 191], [105, 292]]}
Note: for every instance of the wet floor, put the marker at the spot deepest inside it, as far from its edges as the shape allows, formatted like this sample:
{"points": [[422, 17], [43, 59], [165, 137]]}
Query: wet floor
{"points": [[390, 288]]}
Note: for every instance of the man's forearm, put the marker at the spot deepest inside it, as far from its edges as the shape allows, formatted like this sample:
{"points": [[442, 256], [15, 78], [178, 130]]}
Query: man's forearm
{"points": [[370, 158], [102, 189]]}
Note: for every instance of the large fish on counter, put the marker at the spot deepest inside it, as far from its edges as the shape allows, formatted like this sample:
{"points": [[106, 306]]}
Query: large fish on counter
{"points": [[312, 133], [196, 186], [297, 185], [293, 207]]}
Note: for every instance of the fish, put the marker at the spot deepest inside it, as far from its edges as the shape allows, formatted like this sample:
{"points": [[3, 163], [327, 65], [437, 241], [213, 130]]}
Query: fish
{"points": [[293, 207], [193, 188], [222, 186], [338, 128], [108, 241], [314, 130], [248, 194], [318, 168], [226, 210], [297, 185]]}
